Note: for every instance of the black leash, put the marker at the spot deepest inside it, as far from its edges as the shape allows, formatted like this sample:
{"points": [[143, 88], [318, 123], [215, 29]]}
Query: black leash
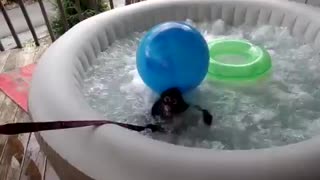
{"points": [[28, 127]]}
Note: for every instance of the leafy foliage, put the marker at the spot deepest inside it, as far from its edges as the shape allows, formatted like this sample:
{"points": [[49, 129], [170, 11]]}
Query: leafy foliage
{"points": [[72, 15]]}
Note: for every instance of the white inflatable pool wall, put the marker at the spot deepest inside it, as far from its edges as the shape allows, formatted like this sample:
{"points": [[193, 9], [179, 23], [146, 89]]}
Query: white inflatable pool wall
{"points": [[113, 153]]}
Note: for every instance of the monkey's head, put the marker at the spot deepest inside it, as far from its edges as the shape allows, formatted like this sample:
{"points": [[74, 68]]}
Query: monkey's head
{"points": [[171, 103]]}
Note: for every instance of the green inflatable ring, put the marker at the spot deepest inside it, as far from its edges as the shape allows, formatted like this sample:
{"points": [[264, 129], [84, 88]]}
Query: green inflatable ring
{"points": [[232, 59]]}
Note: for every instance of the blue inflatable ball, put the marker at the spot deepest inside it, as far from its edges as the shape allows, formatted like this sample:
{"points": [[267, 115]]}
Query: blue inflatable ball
{"points": [[173, 54]]}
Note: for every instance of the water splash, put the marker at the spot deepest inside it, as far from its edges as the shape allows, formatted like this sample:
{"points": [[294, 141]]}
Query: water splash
{"points": [[280, 110]]}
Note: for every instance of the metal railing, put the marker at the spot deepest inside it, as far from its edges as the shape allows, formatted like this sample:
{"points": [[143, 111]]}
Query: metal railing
{"points": [[61, 9]]}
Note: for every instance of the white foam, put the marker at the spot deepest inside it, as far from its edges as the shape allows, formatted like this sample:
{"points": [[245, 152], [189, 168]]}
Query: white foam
{"points": [[279, 110]]}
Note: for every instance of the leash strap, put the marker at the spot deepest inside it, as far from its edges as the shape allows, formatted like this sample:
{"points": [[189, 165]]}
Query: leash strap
{"points": [[28, 127]]}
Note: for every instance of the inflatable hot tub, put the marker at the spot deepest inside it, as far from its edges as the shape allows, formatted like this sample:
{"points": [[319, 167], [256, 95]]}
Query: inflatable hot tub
{"points": [[113, 153]]}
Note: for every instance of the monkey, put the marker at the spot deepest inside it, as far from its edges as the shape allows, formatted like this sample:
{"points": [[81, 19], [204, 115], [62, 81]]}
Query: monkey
{"points": [[174, 110], [169, 104]]}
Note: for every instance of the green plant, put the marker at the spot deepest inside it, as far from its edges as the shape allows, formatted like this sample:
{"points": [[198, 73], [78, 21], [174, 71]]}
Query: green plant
{"points": [[72, 15]]}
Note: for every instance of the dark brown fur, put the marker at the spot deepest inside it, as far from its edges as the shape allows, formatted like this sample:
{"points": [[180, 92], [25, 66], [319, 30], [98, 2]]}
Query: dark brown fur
{"points": [[171, 104]]}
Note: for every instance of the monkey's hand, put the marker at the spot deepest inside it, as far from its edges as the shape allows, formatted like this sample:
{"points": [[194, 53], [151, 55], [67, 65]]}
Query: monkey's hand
{"points": [[207, 117]]}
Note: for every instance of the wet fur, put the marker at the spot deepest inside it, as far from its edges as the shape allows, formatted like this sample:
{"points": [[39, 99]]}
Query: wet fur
{"points": [[169, 110], [158, 108]]}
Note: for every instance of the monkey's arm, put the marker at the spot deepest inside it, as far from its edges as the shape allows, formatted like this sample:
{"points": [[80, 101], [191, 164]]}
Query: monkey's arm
{"points": [[206, 115]]}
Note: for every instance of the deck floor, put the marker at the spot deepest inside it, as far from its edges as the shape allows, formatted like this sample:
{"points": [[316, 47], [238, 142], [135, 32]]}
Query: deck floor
{"points": [[20, 155]]}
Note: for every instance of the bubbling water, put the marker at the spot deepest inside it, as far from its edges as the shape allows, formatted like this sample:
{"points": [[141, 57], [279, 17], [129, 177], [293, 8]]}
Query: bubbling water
{"points": [[281, 109]]}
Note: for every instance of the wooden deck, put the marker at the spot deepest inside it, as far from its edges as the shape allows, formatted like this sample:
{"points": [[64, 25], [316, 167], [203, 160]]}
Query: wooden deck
{"points": [[20, 155]]}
